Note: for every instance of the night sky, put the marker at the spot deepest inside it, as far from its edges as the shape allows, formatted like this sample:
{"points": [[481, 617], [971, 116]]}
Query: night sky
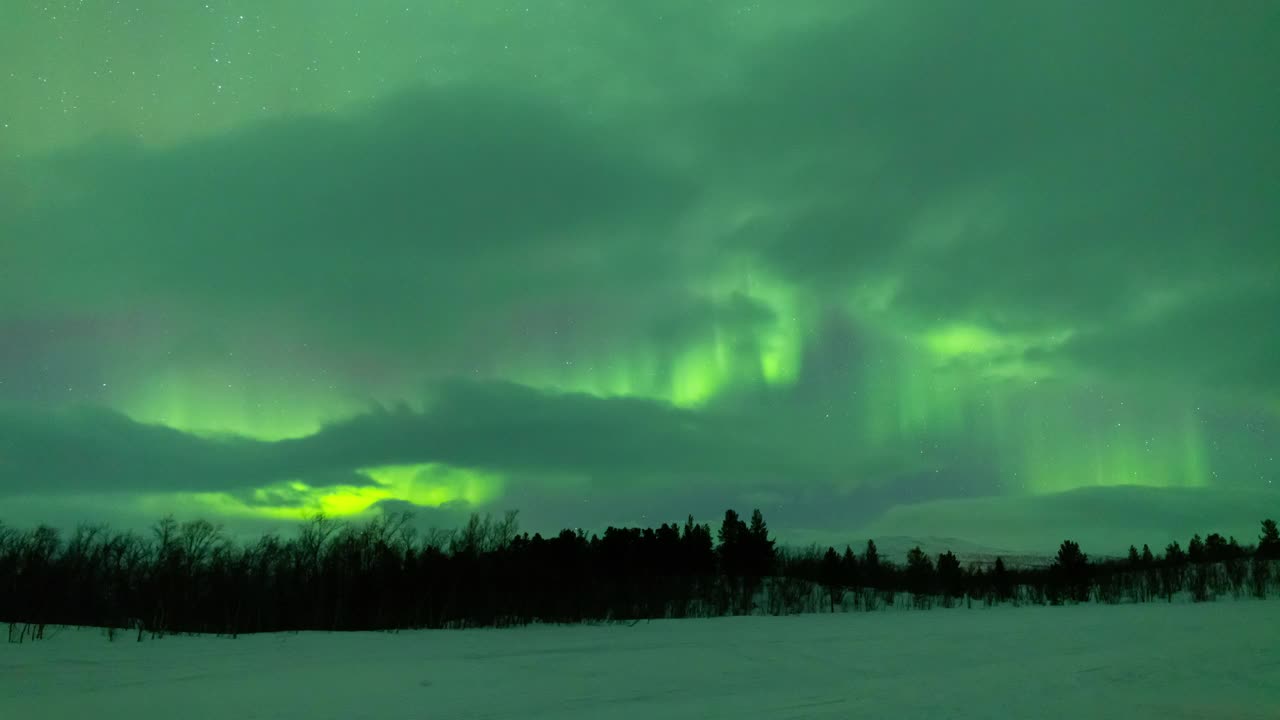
{"points": [[1004, 271]]}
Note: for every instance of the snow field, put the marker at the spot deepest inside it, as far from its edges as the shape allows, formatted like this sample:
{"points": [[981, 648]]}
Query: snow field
{"points": [[1179, 661]]}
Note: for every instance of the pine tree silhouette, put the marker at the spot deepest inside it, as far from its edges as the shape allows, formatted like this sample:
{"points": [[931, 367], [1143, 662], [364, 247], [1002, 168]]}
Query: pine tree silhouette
{"points": [[1001, 581], [1269, 540], [950, 577], [920, 577], [1216, 548], [1195, 549], [761, 550], [1072, 569], [733, 540], [870, 566], [849, 567], [1171, 569], [831, 576]]}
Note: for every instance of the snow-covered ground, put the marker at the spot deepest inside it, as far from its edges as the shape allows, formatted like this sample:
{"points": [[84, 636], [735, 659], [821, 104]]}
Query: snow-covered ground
{"points": [[1180, 661]]}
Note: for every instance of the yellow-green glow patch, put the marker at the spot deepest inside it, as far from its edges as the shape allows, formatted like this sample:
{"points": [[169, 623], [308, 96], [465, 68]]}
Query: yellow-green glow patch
{"points": [[427, 485], [957, 340], [296, 501], [698, 375], [434, 485]]}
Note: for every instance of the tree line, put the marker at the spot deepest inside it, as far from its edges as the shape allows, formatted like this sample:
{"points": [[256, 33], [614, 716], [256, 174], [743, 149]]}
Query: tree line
{"points": [[383, 574]]}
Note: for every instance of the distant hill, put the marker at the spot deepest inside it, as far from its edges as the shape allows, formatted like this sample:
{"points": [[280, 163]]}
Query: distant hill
{"points": [[895, 548]]}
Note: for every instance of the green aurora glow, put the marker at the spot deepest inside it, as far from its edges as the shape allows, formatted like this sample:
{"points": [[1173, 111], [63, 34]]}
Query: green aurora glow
{"points": [[843, 260]]}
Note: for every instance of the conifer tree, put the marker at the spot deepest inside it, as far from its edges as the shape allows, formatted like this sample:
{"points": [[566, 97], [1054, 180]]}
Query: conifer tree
{"points": [[831, 576], [849, 567], [950, 576], [1001, 581], [920, 576], [1072, 568], [761, 550], [1269, 540], [1195, 549], [870, 565]]}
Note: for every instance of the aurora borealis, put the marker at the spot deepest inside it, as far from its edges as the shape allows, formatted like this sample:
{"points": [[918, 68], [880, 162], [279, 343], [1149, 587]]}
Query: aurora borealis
{"points": [[1000, 271]]}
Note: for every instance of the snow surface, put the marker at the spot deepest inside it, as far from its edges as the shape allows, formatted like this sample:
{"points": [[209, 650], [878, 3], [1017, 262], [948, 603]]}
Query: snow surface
{"points": [[1179, 661]]}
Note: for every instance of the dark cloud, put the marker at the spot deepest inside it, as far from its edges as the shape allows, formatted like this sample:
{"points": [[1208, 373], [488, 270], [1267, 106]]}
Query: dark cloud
{"points": [[1228, 342], [444, 209], [500, 426], [548, 446], [93, 450]]}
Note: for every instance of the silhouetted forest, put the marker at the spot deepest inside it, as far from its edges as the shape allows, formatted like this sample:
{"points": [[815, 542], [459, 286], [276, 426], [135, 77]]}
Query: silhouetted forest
{"points": [[382, 575]]}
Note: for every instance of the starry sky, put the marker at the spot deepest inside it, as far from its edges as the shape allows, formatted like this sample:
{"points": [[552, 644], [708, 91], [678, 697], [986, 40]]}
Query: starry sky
{"points": [[1002, 271]]}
